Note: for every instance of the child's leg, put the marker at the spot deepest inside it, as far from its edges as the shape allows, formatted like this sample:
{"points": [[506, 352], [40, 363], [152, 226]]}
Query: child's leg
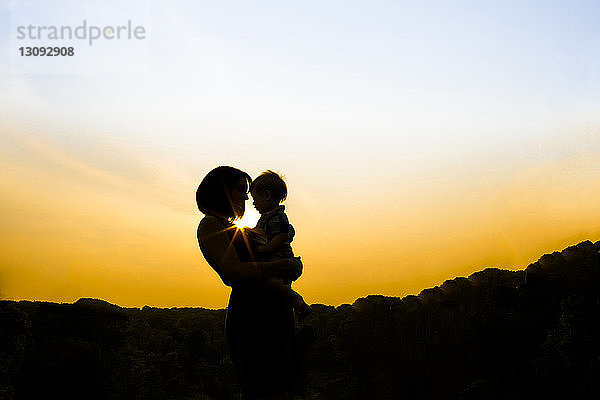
{"points": [[297, 300], [286, 288], [300, 306]]}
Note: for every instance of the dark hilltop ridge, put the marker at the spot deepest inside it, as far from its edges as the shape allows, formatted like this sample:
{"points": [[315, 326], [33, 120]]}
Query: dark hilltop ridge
{"points": [[498, 334]]}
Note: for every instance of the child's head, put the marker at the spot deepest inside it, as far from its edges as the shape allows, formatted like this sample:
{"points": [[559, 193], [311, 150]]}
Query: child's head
{"points": [[268, 190]]}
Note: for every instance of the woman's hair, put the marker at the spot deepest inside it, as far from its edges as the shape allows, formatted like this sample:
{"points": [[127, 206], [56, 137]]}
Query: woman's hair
{"points": [[213, 193], [272, 182]]}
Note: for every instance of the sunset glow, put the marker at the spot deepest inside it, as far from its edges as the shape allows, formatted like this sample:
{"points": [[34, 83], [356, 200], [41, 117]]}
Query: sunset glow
{"points": [[249, 219]]}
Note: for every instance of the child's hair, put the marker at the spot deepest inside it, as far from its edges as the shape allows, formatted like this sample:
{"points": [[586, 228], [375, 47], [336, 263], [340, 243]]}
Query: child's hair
{"points": [[272, 182]]}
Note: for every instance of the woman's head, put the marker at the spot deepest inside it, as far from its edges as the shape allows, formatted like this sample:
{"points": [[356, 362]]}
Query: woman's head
{"points": [[223, 192]]}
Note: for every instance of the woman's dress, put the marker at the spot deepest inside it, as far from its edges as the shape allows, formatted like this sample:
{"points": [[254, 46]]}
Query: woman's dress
{"points": [[259, 329]]}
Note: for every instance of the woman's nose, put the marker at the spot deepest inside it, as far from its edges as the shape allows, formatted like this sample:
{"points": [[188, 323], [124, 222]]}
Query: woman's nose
{"points": [[245, 196]]}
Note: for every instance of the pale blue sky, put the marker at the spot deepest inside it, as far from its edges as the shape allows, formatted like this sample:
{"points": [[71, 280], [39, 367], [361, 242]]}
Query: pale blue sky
{"points": [[409, 87], [397, 85]]}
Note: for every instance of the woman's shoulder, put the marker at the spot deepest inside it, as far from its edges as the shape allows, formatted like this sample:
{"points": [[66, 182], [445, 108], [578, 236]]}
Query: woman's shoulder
{"points": [[210, 224]]}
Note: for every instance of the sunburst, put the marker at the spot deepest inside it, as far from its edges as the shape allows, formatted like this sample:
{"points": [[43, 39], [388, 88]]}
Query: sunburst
{"points": [[249, 219]]}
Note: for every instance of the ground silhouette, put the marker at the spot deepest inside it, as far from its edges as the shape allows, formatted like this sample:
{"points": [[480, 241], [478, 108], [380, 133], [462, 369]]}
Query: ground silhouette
{"points": [[498, 334]]}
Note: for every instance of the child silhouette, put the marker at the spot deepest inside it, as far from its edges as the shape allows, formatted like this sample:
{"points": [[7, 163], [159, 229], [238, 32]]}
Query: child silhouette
{"points": [[274, 233]]}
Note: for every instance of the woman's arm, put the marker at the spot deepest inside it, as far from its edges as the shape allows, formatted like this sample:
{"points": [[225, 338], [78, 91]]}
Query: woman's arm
{"points": [[217, 243]]}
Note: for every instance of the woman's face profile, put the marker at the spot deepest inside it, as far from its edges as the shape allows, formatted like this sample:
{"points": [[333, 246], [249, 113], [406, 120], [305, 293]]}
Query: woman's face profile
{"points": [[239, 195]]}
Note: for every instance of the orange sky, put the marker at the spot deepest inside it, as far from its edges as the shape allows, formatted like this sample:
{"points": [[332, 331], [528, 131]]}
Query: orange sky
{"points": [[72, 230]]}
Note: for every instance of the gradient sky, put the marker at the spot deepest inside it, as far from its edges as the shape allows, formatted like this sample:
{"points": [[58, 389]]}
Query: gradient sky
{"points": [[420, 141]]}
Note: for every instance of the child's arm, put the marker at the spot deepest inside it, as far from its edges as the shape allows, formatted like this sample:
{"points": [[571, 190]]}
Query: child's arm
{"points": [[272, 246]]}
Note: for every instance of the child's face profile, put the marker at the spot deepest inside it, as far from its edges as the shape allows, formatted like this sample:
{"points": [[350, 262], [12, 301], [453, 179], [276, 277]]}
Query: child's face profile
{"points": [[263, 201]]}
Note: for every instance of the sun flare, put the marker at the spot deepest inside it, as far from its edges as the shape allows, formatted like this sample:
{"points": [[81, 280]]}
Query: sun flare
{"points": [[249, 219]]}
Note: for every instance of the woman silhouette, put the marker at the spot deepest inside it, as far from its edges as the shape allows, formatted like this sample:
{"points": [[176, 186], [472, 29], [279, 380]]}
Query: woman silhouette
{"points": [[260, 322]]}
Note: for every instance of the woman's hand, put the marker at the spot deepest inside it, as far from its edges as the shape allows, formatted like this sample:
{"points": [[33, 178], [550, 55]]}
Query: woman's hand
{"points": [[296, 269], [288, 269]]}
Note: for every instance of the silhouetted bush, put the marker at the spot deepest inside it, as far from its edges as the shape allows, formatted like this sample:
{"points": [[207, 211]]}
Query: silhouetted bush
{"points": [[498, 334]]}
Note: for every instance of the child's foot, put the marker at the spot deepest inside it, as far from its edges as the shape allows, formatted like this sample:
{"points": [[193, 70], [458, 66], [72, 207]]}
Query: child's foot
{"points": [[303, 312]]}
